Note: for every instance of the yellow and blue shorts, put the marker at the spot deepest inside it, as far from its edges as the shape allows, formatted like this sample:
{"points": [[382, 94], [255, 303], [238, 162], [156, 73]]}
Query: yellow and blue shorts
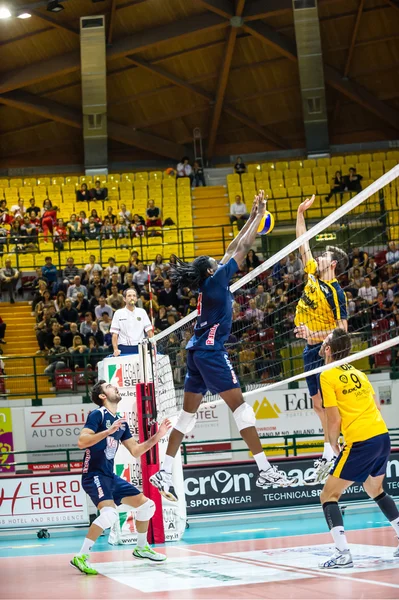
{"points": [[359, 460]]}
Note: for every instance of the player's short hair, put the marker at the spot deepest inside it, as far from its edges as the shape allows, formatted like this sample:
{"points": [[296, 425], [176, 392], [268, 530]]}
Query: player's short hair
{"points": [[340, 344], [124, 293], [192, 274], [341, 257], [96, 390]]}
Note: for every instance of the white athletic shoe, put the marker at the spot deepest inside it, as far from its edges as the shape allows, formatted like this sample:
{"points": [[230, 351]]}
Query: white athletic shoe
{"points": [[322, 468], [273, 476], [396, 552], [163, 481], [148, 552], [339, 560]]}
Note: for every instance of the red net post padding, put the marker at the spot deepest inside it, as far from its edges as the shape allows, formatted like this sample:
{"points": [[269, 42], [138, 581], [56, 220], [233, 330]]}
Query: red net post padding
{"points": [[146, 418]]}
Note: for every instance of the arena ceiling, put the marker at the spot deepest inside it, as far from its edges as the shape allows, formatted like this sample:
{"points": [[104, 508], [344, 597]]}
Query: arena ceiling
{"points": [[174, 65]]}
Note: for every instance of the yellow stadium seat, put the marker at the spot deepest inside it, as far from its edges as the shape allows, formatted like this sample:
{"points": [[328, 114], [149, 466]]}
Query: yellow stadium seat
{"points": [[45, 181], [393, 155], [294, 191], [279, 192], [283, 210], [319, 171], [390, 164], [366, 183], [363, 169], [4, 183], [277, 183], [295, 164], [30, 181], [308, 190], [170, 182], [305, 172], [127, 177], [54, 190], [25, 192], [56, 181], [276, 174], [305, 181], [68, 188], [85, 179], [376, 174], [267, 166], [309, 163], [156, 175], [281, 165], [72, 180], [11, 191], [337, 160], [114, 178], [379, 157], [234, 178], [126, 184], [351, 159], [323, 189], [1, 193], [323, 162], [290, 181], [253, 168], [16, 182], [142, 175], [377, 165], [332, 170], [183, 182], [290, 173], [319, 180], [247, 177]]}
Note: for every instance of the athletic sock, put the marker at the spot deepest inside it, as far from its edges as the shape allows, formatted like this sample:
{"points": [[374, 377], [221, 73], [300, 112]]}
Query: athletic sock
{"points": [[141, 539], [335, 523], [328, 453], [262, 462], [389, 509], [86, 546], [167, 464]]}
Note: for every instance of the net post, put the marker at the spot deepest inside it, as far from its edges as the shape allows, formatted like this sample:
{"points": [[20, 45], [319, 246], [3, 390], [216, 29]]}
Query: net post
{"points": [[147, 426]]}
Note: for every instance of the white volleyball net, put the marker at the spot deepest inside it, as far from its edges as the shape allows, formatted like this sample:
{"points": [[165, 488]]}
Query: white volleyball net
{"points": [[263, 347]]}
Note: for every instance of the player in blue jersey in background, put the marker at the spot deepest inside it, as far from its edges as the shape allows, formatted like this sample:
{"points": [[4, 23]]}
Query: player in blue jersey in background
{"points": [[104, 430], [208, 364]]}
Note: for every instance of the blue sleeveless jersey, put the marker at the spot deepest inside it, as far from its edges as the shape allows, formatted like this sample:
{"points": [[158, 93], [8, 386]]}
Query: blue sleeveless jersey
{"points": [[215, 310]]}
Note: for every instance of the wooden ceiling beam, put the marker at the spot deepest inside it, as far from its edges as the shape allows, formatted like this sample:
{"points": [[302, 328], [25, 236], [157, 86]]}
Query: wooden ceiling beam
{"points": [[53, 22], [142, 40], [394, 4], [222, 80], [348, 88], [111, 21], [69, 116], [261, 9], [207, 96], [223, 8]]}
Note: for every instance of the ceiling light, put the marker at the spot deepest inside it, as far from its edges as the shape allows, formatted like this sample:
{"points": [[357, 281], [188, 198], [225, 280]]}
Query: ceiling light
{"points": [[24, 15], [5, 13], [54, 6]]}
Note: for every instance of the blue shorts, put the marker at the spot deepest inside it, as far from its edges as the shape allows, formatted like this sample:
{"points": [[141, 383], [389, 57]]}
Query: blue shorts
{"points": [[102, 487], [128, 349], [209, 370], [312, 360], [359, 460]]}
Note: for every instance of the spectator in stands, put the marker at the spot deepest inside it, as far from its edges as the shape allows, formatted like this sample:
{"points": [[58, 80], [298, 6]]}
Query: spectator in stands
{"points": [[115, 280], [83, 195], [39, 288], [96, 333], [84, 221], [105, 323], [103, 307], [3, 328], [18, 209], [68, 335], [252, 313], [107, 230], [49, 218], [238, 212], [140, 277], [161, 321], [82, 305], [95, 299], [98, 192], [57, 357], [96, 283], [115, 299], [355, 265], [94, 215], [240, 167], [294, 267], [110, 214], [192, 306], [158, 262], [69, 314], [338, 185], [74, 228], [122, 273], [133, 260], [59, 301], [85, 326], [157, 279], [93, 232], [111, 269], [153, 214], [43, 330], [32, 207], [137, 226], [252, 260], [15, 234], [8, 279], [368, 292], [34, 219], [168, 296], [125, 214], [79, 352], [50, 273], [76, 287], [353, 181], [29, 233], [128, 283], [262, 298], [184, 169], [92, 268], [392, 256], [122, 229], [43, 305], [60, 234], [95, 351], [387, 291], [356, 253], [198, 175]]}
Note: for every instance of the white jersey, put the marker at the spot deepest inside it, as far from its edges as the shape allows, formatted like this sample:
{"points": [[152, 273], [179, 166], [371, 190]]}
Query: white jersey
{"points": [[130, 325]]}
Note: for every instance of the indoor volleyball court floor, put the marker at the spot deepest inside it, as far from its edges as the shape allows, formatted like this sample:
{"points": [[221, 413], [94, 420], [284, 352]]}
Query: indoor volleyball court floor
{"points": [[258, 556]]}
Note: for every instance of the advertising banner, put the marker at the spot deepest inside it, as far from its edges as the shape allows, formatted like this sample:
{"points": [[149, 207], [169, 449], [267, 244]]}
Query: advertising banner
{"points": [[6, 441], [212, 423], [55, 427], [42, 501], [213, 489]]}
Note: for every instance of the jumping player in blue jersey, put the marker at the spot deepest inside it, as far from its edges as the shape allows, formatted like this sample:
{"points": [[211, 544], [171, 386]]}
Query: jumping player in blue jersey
{"points": [[208, 364], [100, 437]]}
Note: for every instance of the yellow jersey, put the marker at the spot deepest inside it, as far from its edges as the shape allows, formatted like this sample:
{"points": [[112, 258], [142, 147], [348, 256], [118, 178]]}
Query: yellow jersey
{"points": [[351, 392], [322, 303]]}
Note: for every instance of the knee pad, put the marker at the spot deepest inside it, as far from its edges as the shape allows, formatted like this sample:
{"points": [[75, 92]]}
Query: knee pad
{"points": [[146, 511], [244, 416], [186, 422], [107, 517]]}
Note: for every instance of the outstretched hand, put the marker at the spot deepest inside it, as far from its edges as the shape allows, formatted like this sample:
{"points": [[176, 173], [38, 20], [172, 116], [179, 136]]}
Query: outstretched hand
{"points": [[303, 207], [262, 201], [254, 209]]}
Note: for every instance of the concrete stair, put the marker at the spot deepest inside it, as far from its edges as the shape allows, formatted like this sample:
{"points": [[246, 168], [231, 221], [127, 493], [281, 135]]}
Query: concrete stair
{"points": [[211, 207], [21, 342]]}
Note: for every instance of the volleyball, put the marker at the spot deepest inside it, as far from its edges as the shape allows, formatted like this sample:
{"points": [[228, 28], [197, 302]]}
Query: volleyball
{"points": [[267, 224]]}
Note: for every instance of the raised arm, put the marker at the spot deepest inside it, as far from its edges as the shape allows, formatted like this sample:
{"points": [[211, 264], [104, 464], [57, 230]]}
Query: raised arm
{"points": [[247, 240], [305, 252], [235, 243]]}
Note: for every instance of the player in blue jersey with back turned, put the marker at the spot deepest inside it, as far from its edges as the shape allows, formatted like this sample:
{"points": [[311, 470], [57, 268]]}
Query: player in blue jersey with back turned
{"points": [[104, 430], [208, 364]]}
